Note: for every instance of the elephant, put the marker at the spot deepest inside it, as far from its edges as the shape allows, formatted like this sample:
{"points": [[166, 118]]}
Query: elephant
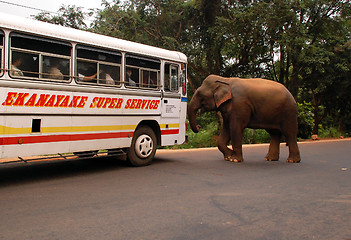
{"points": [[248, 103]]}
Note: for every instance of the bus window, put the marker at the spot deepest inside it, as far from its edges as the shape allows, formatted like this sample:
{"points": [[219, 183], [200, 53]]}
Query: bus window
{"points": [[40, 58], [171, 81], [142, 72], [174, 78], [24, 64], [167, 86], [110, 74], [98, 66], [149, 79], [87, 72], [153, 80], [55, 68], [132, 77], [183, 80], [1, 52]]}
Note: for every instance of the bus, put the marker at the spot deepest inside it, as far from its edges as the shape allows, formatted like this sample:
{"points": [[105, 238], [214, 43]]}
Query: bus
{"points": [[64, 90]]}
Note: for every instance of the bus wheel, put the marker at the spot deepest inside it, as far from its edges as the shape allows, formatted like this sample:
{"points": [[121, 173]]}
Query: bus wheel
{"points": [[143, 148]]}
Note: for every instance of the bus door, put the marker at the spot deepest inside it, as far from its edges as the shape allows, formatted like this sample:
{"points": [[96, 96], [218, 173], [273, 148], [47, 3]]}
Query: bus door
{"points": [[171, 102]]}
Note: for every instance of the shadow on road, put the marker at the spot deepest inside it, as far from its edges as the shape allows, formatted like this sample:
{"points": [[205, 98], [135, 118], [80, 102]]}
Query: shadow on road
{"points": [[16, 173], [37, 171]]}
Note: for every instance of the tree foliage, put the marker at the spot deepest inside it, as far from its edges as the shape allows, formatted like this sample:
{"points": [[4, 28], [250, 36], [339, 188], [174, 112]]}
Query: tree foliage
{"points": [[303, 44], [68, 16]]}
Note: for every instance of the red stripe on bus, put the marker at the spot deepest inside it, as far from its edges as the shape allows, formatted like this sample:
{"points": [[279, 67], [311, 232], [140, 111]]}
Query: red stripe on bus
{"points": [[62, 138], [170, 131], [72, 137]]}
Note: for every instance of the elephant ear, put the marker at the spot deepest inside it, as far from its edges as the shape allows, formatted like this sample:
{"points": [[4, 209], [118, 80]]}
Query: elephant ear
{"points": [[222, 93]]}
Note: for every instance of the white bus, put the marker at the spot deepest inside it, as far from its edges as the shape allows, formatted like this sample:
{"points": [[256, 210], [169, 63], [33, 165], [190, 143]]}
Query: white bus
{"points": [[64, 90]]}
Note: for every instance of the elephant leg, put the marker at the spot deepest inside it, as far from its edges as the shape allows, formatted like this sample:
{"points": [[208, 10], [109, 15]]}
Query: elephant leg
{"points": [[274, 146], [236, 136], [222, 143], [294, 153], [290, 133]]}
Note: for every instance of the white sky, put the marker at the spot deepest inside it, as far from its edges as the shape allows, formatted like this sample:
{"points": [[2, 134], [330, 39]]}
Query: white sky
{"points": [[10, 6]]}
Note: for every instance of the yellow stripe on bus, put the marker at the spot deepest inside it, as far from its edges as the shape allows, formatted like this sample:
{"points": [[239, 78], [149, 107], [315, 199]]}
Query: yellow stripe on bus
{"points": [[172, 125], [87, 128], [12, 130]]}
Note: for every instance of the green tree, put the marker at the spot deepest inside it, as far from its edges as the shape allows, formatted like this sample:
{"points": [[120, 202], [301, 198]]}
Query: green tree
{"points": [[245, 47], [168, 24], [68, 16], [324, 65], [303, 44], [157, 23]]}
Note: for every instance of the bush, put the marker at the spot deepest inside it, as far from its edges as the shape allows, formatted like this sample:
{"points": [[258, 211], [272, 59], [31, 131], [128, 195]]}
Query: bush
{"points": [[204, 138], [330, 132], [305, 120], [255, 136], [209, 118]]}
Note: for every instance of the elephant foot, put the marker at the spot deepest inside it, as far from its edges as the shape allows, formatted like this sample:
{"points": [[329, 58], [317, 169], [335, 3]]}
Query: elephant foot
{"points": [[270, 159], [293, 160], [234, 159]]}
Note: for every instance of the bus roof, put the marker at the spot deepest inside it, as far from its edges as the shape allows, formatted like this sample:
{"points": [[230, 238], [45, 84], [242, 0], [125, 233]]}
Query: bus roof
{"points": [[16, 23]]}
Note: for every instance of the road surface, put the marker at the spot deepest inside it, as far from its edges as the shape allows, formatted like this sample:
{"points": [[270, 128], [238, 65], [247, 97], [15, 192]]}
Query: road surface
{"points": [[191, 194]]}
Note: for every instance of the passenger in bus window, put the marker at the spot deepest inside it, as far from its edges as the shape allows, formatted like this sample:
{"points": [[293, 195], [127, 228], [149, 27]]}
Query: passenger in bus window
{"points": [[54, 71], [91, 78], [87, 72], [29, 64], [16, 63], [115, 73], [129, 78], [153, 80], [109, 79], [146, 77], [106, 76]]}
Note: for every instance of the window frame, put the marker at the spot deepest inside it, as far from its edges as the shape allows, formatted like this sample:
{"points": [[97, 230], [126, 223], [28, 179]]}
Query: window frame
{"points": [[2, 52], [141, 69], [150, 86], [41, 54], [98, 63], [169, 80]]}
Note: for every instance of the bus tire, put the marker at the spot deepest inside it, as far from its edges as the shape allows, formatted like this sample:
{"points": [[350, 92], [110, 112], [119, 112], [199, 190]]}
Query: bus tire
{"points": [[143, 147]]}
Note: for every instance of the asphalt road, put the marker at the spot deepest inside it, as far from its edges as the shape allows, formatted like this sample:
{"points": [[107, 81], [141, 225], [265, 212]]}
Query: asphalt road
{"points": [[191, 194]]}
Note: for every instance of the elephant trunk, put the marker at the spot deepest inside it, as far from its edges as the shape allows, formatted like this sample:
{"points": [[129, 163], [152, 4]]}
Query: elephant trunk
{"points": [[193, 107]]}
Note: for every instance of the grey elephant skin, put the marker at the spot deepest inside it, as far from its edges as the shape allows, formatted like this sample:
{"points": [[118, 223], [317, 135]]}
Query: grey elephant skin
{"points": [[248, 103]]}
